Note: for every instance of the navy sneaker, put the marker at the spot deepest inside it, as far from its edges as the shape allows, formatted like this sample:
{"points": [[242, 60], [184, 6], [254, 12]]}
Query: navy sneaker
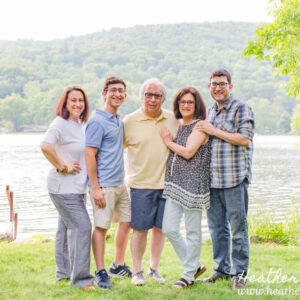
{"points": [[119, 271], [102, 279]]}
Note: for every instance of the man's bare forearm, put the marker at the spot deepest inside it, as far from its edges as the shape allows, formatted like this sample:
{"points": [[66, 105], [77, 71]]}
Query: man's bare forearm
{"points": [[232, 138], [91, 166]]}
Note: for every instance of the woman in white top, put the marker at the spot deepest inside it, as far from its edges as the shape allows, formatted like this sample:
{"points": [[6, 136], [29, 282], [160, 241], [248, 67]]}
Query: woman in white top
{"points": [[64, 147]]}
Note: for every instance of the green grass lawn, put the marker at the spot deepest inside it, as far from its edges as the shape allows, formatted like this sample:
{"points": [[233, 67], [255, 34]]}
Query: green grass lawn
{"points": [[27, 272]]}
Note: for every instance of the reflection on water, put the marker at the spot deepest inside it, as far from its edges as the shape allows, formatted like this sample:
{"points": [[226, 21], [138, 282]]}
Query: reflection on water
{"points": [[276, 178]]}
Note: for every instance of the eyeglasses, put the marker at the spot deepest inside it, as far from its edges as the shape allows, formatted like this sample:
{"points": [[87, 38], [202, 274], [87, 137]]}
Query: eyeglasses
{"points": [[156, 96], [222, 85], [184, 102], [114, 90]]}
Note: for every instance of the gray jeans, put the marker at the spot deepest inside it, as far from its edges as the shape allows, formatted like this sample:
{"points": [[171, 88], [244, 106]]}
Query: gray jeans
{"points": [[73, 239], [188, 251]]}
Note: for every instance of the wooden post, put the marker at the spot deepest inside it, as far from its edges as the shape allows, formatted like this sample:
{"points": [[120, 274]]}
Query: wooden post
{"points": [[16, 225], [11, 217], [7, 193]]}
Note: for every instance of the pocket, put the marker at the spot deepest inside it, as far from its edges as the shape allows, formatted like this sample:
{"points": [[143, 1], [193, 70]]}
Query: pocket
{"points": [[53, 185], [228, 126]]}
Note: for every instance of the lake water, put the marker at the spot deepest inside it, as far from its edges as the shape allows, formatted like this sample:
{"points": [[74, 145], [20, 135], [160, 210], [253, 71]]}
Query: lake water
{"points": [[276, 179]]}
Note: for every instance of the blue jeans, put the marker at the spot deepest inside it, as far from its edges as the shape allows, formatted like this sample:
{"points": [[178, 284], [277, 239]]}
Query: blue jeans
{"points": [[229, 206]]}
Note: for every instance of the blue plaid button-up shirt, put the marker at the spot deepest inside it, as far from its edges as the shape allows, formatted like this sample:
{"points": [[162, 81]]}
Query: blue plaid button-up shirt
{"points": [[231, 164]]}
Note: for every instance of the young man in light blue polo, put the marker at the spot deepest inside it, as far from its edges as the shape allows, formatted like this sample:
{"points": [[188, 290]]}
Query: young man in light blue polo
{"points": [[110, 200]]}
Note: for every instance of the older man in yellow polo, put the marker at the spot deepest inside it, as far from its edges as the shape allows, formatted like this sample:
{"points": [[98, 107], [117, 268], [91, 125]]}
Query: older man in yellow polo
{"points": [[147, 156]]}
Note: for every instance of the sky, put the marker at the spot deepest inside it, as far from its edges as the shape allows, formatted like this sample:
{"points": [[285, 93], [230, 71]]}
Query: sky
{"points": [[57, 19]]}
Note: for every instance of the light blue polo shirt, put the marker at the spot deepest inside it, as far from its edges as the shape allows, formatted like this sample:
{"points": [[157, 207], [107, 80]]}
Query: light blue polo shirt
{"points": [[105, 132]]}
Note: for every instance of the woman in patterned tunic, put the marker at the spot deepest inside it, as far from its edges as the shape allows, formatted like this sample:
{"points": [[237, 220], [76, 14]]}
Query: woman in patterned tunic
{"points": [[186, 183]]}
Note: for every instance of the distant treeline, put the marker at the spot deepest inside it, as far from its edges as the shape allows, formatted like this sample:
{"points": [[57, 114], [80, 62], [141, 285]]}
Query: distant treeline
{"points": [[33, 74]]}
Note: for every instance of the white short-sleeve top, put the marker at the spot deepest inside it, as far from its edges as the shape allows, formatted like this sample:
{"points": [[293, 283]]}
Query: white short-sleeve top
{"points": [[68, 138]]}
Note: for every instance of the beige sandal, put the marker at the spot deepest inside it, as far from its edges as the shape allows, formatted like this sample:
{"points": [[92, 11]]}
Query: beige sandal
{"points": [[182, 283]]}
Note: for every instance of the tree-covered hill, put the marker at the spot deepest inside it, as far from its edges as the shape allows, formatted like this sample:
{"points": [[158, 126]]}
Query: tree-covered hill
{"points": [[33, 74]]}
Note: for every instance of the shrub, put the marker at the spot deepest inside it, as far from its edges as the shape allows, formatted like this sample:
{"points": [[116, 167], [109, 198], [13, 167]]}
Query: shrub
{"points": [[266, 229]]}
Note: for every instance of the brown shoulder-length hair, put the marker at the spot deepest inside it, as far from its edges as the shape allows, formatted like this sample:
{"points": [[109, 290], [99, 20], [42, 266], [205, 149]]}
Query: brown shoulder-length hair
{"points": [[200, 108], [61, 109]]}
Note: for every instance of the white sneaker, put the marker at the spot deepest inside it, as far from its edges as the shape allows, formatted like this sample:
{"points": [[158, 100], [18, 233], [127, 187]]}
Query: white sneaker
{"points": [[154, 274], [138, 278]]}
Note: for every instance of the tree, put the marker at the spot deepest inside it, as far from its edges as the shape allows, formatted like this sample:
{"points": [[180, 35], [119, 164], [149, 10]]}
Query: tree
{"points": [[296, 121], [13, 110], [267, 116], [279, 42], [178, 54]]}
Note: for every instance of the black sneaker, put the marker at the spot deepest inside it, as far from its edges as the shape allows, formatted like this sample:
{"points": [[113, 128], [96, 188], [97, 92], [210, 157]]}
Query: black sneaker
{"points": [[119, 271], [102, 279]]}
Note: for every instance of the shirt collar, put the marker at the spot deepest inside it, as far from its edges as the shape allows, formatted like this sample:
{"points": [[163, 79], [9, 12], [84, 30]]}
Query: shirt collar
{"points": [[143, 117], [107, 115]]}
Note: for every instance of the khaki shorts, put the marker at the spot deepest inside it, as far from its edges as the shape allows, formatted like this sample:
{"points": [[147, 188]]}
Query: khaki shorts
{"points": [[117, 206]]}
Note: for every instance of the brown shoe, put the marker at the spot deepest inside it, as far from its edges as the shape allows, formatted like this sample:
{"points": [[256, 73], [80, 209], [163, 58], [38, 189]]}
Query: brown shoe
{"points": [[213, 278], [239, 284], [200, 271]]}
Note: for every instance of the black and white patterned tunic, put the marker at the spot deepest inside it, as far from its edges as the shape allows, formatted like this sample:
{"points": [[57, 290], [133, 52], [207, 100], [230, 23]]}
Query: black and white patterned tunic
{"points": [[187, 181]]}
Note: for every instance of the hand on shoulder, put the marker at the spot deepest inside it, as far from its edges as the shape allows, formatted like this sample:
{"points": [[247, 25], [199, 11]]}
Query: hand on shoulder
{"points": [[165, 134], [206, 127]]}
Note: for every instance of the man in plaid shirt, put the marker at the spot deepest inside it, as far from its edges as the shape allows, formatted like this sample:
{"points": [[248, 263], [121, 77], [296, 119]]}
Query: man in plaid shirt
{"points": [[230, 124]]}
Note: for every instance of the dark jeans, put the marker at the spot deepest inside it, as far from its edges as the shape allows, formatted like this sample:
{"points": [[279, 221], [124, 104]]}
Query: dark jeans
{"points": [[229, 206]]}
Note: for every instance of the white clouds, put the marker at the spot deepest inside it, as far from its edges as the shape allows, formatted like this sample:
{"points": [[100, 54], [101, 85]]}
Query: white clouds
{"points": [[49, 19]]}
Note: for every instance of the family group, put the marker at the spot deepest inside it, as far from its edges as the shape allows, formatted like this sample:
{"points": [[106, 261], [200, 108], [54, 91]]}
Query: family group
{"points": [[179, 163]]}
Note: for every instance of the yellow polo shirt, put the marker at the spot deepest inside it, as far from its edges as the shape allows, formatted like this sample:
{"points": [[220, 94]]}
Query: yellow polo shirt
{"points": [[147, 154]]}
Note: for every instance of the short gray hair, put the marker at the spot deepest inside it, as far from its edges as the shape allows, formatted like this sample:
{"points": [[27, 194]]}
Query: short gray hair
{"points": [[156, 82]]}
